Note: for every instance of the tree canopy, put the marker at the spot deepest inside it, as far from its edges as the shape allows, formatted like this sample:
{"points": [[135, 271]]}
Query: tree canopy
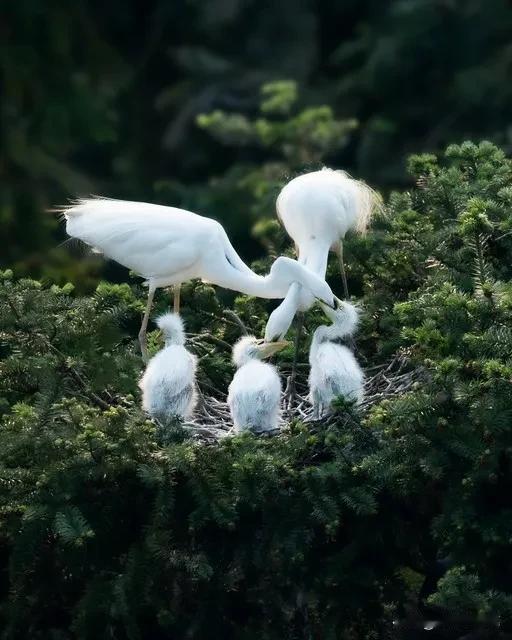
{"points": [[388, 523], [365, 525]]}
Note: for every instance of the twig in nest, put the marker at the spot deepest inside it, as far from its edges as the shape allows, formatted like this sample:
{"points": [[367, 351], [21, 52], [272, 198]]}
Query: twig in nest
{"points": [[212, 420], [231, 314]]}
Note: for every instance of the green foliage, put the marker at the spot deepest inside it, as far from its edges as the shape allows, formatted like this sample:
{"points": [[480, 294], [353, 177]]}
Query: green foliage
{"points": [[104, 99], [451, 440], [104, 532], [302, 138], [107, 530], [133, 539], [461, 593], [279, 97]]}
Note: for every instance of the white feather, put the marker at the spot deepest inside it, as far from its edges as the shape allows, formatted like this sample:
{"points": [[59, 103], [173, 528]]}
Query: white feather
{"points": [[172, 327], [334, 370], [168, 384], [255, 392], [147, 238], [169, 246], [324, 205], [317, 209]]}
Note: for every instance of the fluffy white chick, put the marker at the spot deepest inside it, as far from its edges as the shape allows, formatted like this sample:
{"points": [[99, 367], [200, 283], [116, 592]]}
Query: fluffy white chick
{"points": [[169, 381], [255, 392], [334, 370]]}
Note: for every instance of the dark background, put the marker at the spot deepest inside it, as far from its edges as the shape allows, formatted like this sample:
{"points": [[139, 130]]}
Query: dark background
{"points": [[102, 97]]}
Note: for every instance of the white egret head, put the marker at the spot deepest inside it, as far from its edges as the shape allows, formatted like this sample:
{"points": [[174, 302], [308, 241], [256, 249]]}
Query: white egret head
{"points": [[345, 316], [251, 348], [172, 328]]}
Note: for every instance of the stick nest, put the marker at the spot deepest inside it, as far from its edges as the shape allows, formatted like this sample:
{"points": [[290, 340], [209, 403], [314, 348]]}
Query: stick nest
{"points": [[212, 420]]}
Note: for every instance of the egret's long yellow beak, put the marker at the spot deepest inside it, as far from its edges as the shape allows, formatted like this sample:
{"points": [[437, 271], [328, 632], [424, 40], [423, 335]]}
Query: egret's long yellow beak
{"points": [[267, 349]]}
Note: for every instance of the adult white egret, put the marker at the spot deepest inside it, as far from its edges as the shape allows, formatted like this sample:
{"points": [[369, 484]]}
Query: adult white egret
{"points": [[334, 370], [168, 246], [317, 209], [255, 392], [169, 381]]}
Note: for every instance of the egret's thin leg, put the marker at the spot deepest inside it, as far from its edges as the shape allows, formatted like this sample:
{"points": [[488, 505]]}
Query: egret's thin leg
{"points": [[339, 251], [144, 325], [177, 297], [292, 391]]}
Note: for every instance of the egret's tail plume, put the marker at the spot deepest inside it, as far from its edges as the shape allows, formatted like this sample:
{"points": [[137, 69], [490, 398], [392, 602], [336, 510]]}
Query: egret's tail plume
{"points": [[79, 206], [171, 325], [369, 202], [339, 197]]}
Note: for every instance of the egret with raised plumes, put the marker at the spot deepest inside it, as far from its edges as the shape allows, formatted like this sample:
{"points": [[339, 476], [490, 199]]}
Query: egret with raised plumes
{"points": [[334, 370], [317, 209], [169, 381], [168, 246], [254, 396]]}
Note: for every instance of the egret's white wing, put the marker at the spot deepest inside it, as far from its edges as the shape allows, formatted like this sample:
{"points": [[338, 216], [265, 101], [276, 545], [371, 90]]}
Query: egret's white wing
{"points": [[153, 240]]}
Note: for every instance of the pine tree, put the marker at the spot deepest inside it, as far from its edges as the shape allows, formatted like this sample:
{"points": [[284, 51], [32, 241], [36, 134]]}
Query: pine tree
{"points": [[362, 526]]}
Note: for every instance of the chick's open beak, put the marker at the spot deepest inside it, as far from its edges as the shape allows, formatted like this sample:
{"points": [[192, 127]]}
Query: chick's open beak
{"points": [[338, 304], [268, 349]]}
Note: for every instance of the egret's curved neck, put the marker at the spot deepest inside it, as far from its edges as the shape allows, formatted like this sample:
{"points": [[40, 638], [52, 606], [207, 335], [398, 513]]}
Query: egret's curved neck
{"points": [[325, 333], [248, 282], [281, 318], [314, 256]]}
